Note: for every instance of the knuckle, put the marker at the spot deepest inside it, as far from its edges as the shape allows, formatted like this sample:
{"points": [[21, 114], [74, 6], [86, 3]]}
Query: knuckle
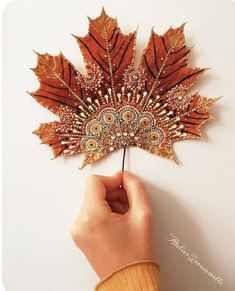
{"points": [[87, 223], [77, 234], [146, 215], [140, 185], [91, 178], [74, 231], [80, 230]]}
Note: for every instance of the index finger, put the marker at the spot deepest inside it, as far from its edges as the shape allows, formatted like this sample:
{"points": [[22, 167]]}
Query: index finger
{"points": [[98, 186], [136, 192]]}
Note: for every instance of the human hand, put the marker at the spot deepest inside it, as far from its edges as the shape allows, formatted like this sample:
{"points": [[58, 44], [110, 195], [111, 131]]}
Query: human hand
{"points": [[114, 226]]}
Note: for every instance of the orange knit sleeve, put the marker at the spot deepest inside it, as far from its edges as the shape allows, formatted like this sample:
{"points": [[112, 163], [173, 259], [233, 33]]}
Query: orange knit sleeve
{"points": [[138, 276]]}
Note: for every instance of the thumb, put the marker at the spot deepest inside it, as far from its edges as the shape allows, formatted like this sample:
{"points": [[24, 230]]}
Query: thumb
{"points": [[136, 193]]}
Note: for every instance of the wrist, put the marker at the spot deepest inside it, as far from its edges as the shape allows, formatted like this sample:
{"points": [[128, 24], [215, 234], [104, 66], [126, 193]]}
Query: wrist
{"points": [[138, 275]]}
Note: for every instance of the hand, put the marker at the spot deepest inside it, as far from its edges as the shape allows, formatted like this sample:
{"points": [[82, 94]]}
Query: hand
{"points": [[114, 227]]}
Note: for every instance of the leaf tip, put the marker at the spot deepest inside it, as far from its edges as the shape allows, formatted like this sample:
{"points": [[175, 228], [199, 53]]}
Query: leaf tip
{"points": [[35, 52], [174, 159], [61, 54], [218, 98], [183, 24], [203, 138], [103, 10], [177, 162], [89, 18], [74, 35], [137, 28], [207, 69], [192, 47], [211, 118], [152, 30], [82, 165], [30, 93], [55, 157]]}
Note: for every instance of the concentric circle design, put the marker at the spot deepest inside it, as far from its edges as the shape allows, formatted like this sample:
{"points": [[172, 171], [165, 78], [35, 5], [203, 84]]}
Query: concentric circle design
{"points": [[96, 128], [128, 114], [177, 99], [108, 116], [93, 77], [64, 117], [156, 136], [115, 128], [93, 127], [91, 144], [134, 77], [146, 120]]}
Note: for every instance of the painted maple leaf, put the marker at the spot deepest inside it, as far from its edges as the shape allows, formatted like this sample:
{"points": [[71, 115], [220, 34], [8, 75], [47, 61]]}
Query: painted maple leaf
{"points": [[117, 105]]}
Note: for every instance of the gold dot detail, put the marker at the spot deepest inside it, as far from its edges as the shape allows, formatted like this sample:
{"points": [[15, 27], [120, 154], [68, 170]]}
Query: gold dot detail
{"points": [[127, 116], [96, 128], [91, 144], [109, 118]]}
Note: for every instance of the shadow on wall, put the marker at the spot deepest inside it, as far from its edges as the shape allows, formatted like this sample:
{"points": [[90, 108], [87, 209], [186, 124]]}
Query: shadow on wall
{"points": [[177, 273]]}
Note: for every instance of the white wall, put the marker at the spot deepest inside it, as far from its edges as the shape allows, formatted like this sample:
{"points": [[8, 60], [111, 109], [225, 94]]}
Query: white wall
{"points": [[194, 201]]}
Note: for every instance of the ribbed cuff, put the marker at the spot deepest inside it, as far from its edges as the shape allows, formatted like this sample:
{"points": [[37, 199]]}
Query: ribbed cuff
{"points": [[138, 276]]}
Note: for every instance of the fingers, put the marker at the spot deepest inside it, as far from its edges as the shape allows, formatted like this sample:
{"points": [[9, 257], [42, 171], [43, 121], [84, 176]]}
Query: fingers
{"points": [[118, 201], [118, 195], [102, 190], [136, 192], [97, 187], [118, 207]]}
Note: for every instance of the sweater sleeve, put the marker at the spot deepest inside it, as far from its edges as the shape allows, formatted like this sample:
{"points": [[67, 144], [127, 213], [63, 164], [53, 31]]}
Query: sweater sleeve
{"points": [[138, 276]]}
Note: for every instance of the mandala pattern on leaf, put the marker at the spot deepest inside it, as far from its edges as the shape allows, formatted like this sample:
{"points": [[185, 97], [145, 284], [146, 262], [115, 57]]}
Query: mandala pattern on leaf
{"points": [[116, 104]]}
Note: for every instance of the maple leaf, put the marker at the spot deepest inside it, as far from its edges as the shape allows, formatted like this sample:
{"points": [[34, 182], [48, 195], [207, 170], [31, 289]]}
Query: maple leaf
{"points": [[117, 105]]}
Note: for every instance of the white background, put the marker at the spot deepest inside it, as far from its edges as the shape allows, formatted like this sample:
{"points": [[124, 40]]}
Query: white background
{"points": [[194, 201]]}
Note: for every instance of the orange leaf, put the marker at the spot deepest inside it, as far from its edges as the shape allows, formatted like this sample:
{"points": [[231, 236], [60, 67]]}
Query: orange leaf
{"points": [[117, 105]]}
